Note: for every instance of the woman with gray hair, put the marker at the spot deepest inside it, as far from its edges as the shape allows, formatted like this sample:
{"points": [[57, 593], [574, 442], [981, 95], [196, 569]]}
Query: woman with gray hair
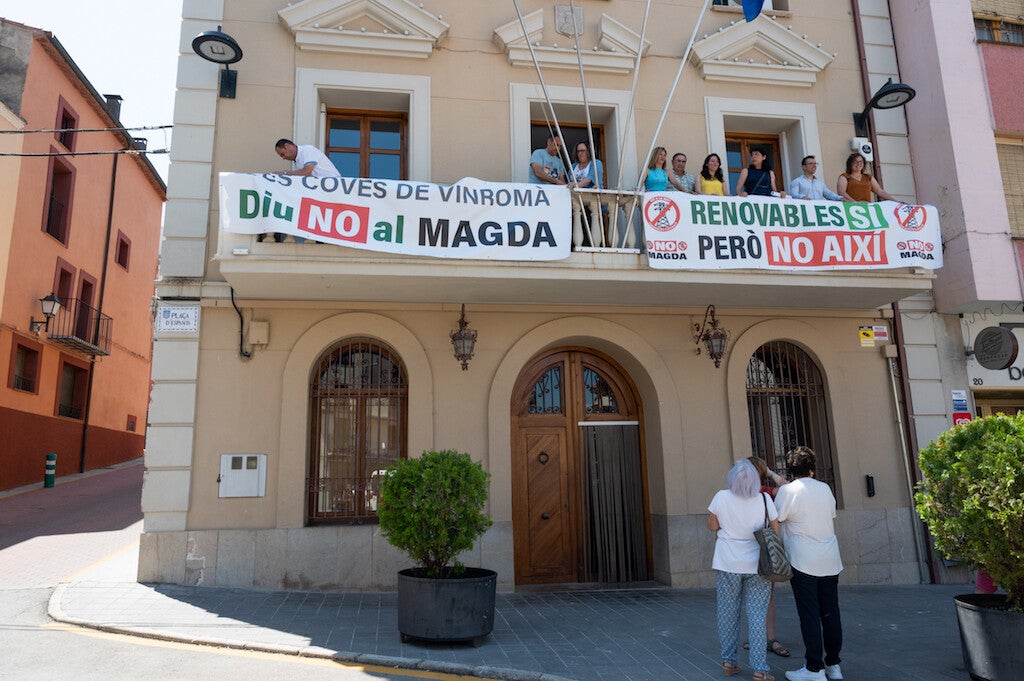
{"points": [[734, 514]]}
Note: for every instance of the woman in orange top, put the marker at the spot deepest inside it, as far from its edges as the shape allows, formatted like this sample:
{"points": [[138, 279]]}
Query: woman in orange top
{"points": [[856, 185]]}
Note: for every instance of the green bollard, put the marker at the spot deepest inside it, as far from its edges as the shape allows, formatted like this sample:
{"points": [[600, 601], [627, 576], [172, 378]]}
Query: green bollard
{"points": [[51, 470]]}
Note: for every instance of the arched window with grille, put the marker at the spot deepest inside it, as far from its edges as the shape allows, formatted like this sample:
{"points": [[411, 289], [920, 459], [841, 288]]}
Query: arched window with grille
{"points": [[358, 422], [787, 405]]}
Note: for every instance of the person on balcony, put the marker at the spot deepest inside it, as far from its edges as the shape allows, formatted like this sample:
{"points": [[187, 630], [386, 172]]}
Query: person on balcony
{"points": [[656, 177], [856, 185], [711, 180], [587, 170], [808, 187], [678, 172], [307, 161], [546, 164], [758, 179]]}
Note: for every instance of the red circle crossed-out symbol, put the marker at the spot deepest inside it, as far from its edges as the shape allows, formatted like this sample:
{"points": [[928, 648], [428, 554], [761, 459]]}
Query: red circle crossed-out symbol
{"points": [[661, 213]]}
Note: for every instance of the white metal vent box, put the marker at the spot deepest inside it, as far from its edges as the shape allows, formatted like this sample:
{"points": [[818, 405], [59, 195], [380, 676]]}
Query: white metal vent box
{"points": [[243, 475]]}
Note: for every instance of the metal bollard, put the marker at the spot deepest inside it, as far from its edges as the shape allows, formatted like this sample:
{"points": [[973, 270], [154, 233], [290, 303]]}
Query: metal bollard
{"points": [[51, 470]]}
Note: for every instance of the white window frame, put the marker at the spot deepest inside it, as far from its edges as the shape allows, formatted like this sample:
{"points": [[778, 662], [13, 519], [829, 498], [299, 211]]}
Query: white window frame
{"points": [[311, 84], [795, 123], [617, 136]]}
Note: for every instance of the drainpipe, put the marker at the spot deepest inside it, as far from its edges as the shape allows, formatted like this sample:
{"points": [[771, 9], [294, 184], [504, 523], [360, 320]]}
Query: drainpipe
{"points": [[901, 388], [99, 312]]}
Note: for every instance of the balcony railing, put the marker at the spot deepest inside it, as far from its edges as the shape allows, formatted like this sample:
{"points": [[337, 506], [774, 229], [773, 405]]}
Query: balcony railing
{"points": [[604, 219], [81, 327]]}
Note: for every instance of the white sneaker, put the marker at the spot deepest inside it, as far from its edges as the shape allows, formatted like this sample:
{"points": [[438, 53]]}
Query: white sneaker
{"points": [[833, 672], [803, 674]]}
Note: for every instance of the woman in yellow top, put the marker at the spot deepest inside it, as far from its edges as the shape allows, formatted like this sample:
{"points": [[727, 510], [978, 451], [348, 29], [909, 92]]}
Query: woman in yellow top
{"points": [[711, 180], [856, 185]]}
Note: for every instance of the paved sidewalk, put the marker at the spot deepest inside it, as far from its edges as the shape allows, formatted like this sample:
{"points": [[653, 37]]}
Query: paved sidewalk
{"points": [[645, 634]]}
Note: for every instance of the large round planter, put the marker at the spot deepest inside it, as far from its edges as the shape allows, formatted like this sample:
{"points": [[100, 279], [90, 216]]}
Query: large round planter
{"points": [[992, 637], [446, 609]]}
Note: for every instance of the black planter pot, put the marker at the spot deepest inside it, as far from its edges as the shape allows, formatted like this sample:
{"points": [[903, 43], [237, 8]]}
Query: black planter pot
{"points": [[992, 636], [446, 609]]}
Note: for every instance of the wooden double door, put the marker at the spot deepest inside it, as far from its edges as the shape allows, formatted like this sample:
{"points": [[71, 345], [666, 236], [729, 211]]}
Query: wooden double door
{"points": [[579, 485]]}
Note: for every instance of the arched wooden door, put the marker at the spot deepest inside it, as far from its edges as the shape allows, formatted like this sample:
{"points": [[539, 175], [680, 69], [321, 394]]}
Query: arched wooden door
{"points": [[579, 490]]}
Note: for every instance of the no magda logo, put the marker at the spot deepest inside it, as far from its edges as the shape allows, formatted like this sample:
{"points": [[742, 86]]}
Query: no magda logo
{"points": [[661, 213]]}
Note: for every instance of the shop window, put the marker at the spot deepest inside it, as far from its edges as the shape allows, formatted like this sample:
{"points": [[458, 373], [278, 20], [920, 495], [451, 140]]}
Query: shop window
{"points": [[122, 253], [359, 416], [71, 393], [368, 144], [787, 406], [24, 370]]}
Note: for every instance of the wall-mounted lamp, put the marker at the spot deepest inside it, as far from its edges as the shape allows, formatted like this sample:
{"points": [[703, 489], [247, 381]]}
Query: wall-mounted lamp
{"points": [[889, 96], [220, 48], [713, 336], [50, 305], [464, 340]]}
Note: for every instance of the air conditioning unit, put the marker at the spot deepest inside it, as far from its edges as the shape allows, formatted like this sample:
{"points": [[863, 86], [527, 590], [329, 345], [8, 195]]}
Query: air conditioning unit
{"points": [[864, 146]]}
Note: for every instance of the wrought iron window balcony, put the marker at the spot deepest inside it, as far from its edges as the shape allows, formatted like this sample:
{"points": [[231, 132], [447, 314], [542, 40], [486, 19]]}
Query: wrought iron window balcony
{"points": [[81, 327]]}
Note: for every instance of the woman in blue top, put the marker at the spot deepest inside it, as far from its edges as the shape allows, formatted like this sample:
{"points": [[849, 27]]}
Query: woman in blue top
{"points": [[656, 176], [587, 170], [758, 179]]}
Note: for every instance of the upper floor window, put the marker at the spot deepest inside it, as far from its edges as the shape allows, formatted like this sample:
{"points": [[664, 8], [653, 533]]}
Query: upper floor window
{"points": [[57, 211], [368, 144], [768, 4], [122, 254], [999, 31], [74, 379], [67, 122]]}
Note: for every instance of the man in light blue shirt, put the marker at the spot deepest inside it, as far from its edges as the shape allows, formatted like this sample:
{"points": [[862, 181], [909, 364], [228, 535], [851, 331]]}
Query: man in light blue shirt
{"points": [[546, 164], [807, 186]]}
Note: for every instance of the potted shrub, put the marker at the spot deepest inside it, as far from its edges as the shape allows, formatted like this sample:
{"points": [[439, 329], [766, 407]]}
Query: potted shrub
{"points": [[972, 497], [432, 508]]}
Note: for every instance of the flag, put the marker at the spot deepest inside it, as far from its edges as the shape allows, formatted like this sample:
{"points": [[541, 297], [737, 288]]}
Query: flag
{"points": [[751, 8]]}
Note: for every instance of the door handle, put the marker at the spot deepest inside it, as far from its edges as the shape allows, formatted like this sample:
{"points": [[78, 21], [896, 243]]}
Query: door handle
{"points": [[545, 515]]}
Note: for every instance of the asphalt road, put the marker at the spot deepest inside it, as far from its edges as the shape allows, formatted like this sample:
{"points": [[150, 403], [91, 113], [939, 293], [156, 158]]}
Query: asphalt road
{"points": [[48, 536]]}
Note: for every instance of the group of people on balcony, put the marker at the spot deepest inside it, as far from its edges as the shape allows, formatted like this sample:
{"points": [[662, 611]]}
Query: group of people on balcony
{"points": [[757, 179]]}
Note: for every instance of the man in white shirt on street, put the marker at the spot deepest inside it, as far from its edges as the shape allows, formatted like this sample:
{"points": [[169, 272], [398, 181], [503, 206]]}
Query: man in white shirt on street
{"points": [[807, 509]]}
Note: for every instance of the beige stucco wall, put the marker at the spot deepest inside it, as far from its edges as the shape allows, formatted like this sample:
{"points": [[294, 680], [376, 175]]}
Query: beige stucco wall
{"points": [[694, 415]]}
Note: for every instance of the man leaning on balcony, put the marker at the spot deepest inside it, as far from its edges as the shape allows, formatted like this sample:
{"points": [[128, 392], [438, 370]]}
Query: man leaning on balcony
{"points": [[807, 186], [307, 161], [546, 164]]}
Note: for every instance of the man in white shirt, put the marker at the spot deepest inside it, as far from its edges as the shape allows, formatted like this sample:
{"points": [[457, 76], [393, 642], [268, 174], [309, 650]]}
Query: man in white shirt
{"points": [[807, 186], [307, 161], [806, 511]]}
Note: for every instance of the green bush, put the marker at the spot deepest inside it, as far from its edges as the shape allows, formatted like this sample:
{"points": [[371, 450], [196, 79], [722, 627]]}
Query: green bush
{"points": [[432, 508], [972, 497]]}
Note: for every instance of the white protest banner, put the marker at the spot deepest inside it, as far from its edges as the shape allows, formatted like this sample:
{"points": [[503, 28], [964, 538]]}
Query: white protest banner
{"points": [[469, 219], [684, 231]]}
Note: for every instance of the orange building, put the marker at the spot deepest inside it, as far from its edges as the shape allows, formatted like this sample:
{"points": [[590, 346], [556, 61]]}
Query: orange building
{"points": [[84, 224]]}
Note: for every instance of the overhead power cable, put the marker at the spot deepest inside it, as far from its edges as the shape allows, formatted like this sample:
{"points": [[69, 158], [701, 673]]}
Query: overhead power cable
{"points": [[78, 130]]}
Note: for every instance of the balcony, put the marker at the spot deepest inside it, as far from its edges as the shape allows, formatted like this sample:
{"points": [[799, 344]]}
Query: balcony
{"points": [[606, 267], [81, 328]]}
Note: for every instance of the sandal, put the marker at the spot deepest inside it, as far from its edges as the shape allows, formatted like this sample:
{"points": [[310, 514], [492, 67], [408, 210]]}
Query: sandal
{"points": [[775, 647], [729, 669], [763, 676]]}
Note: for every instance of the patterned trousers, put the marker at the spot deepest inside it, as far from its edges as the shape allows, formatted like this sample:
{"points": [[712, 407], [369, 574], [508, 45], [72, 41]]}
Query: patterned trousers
{"points": [[733, 592]]}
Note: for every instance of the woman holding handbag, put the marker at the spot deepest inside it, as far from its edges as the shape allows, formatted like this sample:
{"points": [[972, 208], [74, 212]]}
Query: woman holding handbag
{"points": [[734, 514]]}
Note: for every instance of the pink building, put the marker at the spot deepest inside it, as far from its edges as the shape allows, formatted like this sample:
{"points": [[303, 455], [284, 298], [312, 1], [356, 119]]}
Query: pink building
{"points": [[83, 223]]}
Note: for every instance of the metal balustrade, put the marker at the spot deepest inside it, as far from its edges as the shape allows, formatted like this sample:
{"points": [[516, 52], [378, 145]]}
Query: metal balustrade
{"points": [[81, 327]]}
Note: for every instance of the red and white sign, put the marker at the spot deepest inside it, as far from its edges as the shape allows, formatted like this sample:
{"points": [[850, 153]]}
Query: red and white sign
{"points": [[960, 417]]}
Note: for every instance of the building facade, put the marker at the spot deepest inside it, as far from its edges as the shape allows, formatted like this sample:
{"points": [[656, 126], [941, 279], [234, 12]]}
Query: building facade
{"points": [[83, 224], [288, 375]]}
